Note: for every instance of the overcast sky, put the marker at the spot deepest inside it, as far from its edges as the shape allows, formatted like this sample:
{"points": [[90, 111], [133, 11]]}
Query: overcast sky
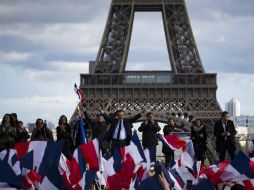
{"points": [[46, 44]]}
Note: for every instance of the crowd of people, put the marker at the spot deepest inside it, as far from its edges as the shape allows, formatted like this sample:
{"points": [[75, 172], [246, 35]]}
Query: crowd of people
{"points": [[115, 130]]}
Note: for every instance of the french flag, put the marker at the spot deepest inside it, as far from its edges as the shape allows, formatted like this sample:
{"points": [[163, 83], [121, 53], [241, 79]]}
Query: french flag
{"points": [[143, 170], [10, 157], [41, 170], [134, 150], [188, 155], [239, 170], [174, 142], [45, 153], [183, 150], [90, 151], [180, 177], [123, 178], [124, 165], [8, 176], [67, 169], [75, 173]]}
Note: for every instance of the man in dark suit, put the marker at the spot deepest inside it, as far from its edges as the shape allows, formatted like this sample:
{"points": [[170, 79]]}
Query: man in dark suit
{"points": [[99, 129], [120, 130], [149, 129], [224, 131]]}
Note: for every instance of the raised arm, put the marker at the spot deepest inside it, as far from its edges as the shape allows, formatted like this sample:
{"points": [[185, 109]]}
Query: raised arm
{"points": [[136, 117], [88, 118], [108, 118]]}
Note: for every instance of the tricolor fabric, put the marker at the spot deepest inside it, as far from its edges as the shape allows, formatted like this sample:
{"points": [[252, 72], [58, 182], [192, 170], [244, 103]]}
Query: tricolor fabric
{"points": [[82, 131], [125, 166], [180, 176], [40, 165], [183, 150], [239, 170], [10, 157], [32, 163], [8, 177], [90, 151]]}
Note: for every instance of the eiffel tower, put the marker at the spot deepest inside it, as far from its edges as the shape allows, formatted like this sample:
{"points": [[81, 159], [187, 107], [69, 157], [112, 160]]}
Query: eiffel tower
{"points": [[185, 91]]}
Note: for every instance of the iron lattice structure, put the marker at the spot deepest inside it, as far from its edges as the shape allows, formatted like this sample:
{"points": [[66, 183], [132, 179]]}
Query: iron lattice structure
{"points": [[185, 90]]}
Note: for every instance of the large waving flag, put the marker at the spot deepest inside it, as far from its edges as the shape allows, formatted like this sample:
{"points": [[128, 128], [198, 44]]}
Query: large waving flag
{"points": [[73, 170], [33, 163], [132, 157], [10, 157], [187, 157], [39, 164], [8, 178], [183, 149], [239, 170], [174, 142]]}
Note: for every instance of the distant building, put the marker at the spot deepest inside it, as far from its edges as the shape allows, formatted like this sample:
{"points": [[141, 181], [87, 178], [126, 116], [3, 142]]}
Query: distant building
{"points": [[244, 126], [233, 107], [244, 121]]}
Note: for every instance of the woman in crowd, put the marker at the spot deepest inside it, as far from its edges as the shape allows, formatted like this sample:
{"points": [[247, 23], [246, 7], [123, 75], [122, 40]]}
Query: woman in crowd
{"points": [[7, 133], [21, 132], [41, 132], [63, 132], [199, 138]]}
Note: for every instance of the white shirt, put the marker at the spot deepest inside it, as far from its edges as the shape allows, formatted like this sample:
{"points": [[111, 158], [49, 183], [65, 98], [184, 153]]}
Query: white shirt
{"points": [[122, 132]]}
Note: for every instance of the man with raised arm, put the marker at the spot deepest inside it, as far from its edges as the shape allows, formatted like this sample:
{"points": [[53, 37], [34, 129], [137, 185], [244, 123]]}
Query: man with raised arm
{"points": [[120, 130]]}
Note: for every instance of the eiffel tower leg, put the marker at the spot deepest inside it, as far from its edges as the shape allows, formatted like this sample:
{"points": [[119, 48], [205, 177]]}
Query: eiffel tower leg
{"points": [[114, 47], [183, 51]]}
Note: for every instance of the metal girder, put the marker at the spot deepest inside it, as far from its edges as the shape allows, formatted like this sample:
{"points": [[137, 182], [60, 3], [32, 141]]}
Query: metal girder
{"points": [[182, 50]]}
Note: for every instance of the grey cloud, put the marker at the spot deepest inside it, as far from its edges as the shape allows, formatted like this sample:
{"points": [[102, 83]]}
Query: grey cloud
{"points": [[217, 9], [51, 11]]}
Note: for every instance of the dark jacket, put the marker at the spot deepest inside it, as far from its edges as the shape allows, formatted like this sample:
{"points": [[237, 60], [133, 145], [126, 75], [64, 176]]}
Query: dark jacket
{"points": [[218, 133], [98, 128], [198, 141], [21, 135], [127, 122], [66, 134], [149, 133], [43, 134], [167, 130], [7, 137]]}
